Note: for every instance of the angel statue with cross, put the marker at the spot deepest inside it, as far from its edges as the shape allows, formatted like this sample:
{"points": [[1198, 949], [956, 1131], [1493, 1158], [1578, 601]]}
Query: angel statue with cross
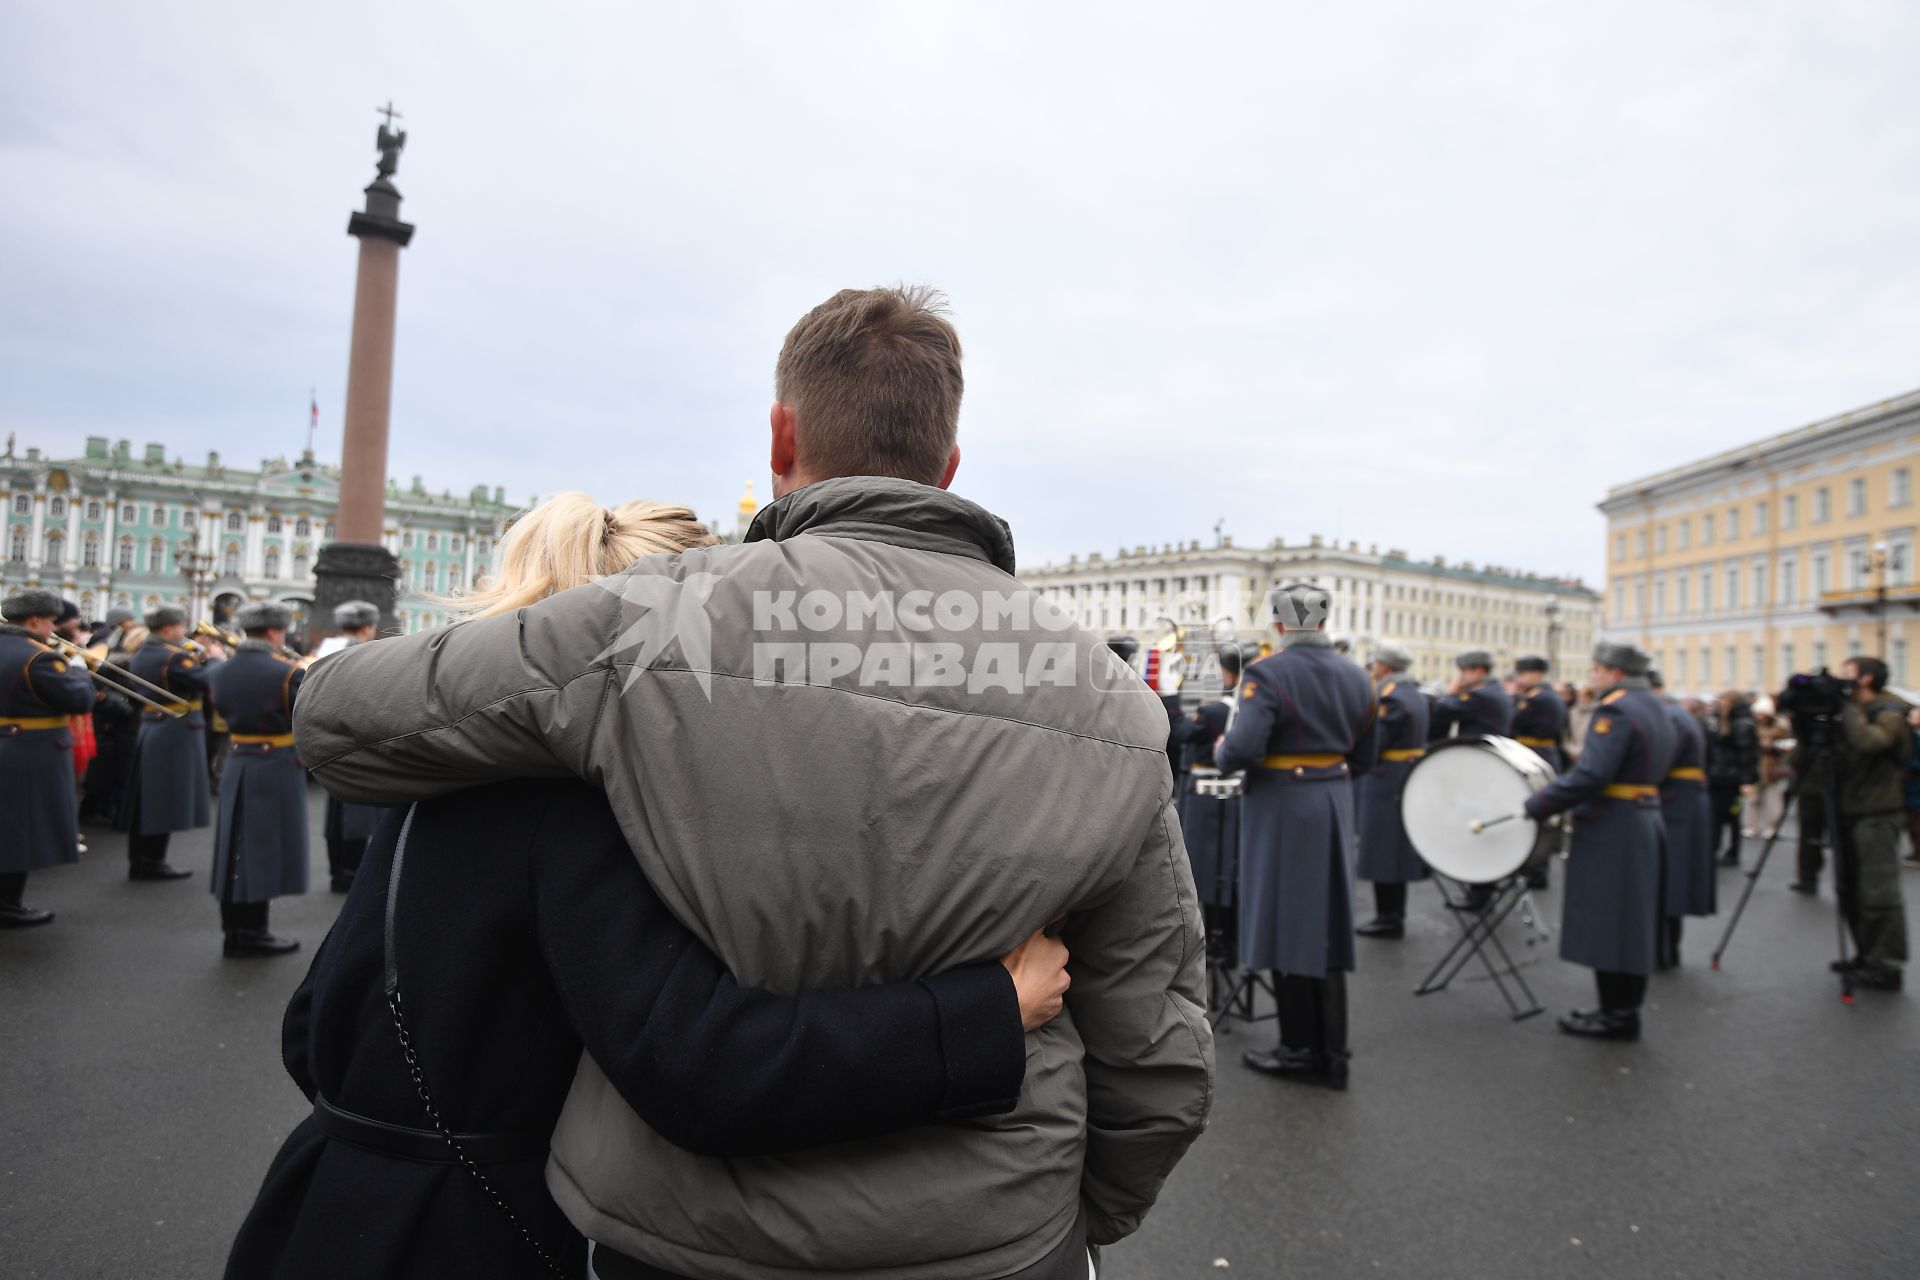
{"points": [[389, 142]]}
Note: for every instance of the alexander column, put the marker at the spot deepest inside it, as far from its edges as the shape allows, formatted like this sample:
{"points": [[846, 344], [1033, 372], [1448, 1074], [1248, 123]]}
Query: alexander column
{"points": [[357, 564]]}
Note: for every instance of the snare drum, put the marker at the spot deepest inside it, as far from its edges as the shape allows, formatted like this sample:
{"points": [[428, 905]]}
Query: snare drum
{"points": [[1465, 780]]}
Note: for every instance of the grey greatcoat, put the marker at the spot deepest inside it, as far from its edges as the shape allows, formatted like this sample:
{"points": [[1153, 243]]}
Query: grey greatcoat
{"points": [[1690, 888], [38, 691], [1386, 855], [1305, 726], [850, 749], [260, 846], [1614, 872], [170, 789]]}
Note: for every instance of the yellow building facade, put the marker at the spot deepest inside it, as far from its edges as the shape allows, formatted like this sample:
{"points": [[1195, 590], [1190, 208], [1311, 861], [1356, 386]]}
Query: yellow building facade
{"points": [[1785, 555]]}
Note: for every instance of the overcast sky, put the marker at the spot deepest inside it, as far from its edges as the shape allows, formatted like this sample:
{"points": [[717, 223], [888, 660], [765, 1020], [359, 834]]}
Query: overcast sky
{"points": [[1427, 275]]}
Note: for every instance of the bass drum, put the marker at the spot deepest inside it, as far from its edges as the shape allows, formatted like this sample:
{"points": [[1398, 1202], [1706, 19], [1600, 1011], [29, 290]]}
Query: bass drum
{"points": [[1465, 780]]}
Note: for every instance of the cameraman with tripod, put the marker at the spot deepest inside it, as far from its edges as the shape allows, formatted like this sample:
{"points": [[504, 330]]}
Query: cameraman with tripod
{"points": [[1874, 740]]}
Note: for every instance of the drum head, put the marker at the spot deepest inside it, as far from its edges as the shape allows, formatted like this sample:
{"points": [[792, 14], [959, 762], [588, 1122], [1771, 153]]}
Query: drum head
{"points": [[1464, 780]]}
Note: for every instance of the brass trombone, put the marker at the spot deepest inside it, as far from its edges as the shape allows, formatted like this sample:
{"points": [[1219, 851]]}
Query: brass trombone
{"points": [[205, 630], [122, 681]]}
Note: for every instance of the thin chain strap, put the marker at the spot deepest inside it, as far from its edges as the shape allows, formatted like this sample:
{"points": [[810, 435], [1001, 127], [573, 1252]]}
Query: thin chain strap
{"points": [[453, 1143]]}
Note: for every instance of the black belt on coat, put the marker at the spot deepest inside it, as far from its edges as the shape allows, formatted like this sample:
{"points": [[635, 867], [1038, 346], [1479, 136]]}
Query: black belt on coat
{"points": [[424, 1144]]}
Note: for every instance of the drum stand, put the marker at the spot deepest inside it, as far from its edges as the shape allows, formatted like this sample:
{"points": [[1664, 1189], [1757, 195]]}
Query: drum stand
{"points": [[1478, 931]]}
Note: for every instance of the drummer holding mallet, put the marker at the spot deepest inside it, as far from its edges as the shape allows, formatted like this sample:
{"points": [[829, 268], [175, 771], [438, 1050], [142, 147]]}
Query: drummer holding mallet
{"points": [[1615, 868]]}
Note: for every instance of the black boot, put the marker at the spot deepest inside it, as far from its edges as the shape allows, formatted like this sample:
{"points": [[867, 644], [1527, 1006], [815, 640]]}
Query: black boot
{"points": [[13, 915], [1383, 927], [147, 858], [1603, 1024], [247, 934], [1333, 1030]]}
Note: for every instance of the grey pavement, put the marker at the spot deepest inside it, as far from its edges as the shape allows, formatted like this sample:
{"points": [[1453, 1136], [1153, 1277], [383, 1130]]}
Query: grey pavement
{"points": [[1761, 1129]]}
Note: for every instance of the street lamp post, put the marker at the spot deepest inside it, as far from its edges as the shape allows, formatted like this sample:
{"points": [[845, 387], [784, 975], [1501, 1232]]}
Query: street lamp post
{"points": [[1880, 594], [1553, 633], [196, 566]]}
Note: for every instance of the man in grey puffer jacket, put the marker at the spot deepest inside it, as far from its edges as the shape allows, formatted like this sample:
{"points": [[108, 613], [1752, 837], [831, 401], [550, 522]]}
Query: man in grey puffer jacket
{"points": [[850, 749]]}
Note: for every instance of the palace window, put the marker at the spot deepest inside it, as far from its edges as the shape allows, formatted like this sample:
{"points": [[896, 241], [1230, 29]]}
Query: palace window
{"points": [[1706, 591], [453, 577], [56, 549], [302, 528], [123, 556], [1759, 517], [93, 511], [1640, 545], [453, 543], [17, 543], [271, 566], [235, 522], [1822, 505], [1660, 541], [90, 552], [1819, 655], [1900, 487], [1857, 497], [330, 531], [406, 540], [433, 542], [1786, 662], [1733, 524], [1619, 546], [57, 508], [1706, 666], [299, 566], [1759, 587], [1790, 511], [23, 504], [1820, 574], [1684, 534], [1789, 580], [230, 562], [1706, 531], [156, 556], [1732, 656], [129, 514], [1733, 590], [189, 519], [1682, 590], [273, 523]]}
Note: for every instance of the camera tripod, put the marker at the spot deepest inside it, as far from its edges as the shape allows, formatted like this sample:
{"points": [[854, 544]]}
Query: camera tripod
{"points": [[1822, 762]]}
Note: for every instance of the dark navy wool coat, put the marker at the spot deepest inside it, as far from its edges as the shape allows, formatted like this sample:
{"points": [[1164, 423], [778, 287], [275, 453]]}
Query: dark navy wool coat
{"points": [[38, 823], [169, 790], [260, 846]]}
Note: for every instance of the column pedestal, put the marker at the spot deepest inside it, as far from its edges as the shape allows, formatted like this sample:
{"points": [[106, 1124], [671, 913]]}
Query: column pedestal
{"points": [[353, 571]]}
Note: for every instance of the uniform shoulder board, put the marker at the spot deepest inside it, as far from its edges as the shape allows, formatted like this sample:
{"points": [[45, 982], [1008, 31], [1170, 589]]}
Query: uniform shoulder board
{"points": [[186, 662], [1391, 686], [1247, 689], [1613, 697], [58, 666], [1603, 724]]}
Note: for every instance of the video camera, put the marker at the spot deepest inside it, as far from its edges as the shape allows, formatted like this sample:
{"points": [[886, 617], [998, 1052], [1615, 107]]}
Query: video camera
{"points": [[1819, 696]]}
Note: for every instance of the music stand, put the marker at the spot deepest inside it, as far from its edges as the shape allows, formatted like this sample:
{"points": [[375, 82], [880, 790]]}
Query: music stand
{"points": [[1480, 930], [1230, 989]]}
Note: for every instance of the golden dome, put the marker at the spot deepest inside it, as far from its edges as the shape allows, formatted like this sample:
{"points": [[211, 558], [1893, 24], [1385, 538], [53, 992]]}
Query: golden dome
{"points": [[748, 503]]}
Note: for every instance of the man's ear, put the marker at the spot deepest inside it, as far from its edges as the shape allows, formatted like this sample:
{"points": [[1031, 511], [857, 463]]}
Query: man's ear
{"points": [[785, 449], [953, 465]]}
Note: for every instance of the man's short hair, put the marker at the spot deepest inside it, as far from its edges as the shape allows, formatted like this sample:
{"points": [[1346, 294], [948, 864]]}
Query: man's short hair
{"points": [[1872, 672], [873, 379], [165, 616]]}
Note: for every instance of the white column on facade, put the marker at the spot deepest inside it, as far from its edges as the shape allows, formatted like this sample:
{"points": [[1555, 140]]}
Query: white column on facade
{"points": [[36, 547], [468, 578], [109, 554], [256, 544]]}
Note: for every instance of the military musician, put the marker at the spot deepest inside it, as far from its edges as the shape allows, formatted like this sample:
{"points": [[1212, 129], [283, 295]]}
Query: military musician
{"points": [[349, 826], [169, 789], [1615, 871], [1211, 824], [1304, 725], [39, 814], [260, 844], [1540, 723], [1387, 856], [1475, 704], [1687, 881]]}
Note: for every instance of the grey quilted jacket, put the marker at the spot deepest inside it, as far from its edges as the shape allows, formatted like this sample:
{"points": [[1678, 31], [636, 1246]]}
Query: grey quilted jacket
{"points": [[851, 749]]}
